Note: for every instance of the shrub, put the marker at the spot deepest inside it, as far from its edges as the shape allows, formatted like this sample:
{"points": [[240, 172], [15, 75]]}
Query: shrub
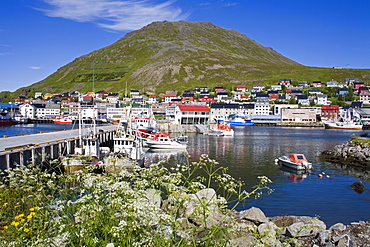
{"points": [[155, 206]]}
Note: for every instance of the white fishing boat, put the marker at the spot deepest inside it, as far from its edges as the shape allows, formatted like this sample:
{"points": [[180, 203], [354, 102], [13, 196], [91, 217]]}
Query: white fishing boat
{"points": [[346, 125], [19, 119], [163, 141], [142, 120], [294, 161]]}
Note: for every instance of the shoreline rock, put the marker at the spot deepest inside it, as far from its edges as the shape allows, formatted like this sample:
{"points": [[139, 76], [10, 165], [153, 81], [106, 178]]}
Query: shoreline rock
{"points": [[298, 231], [253, 228], [349, 153]]}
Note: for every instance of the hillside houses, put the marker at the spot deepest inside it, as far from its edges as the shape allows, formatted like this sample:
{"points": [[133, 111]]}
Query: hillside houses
{"points": [[203, 104]]}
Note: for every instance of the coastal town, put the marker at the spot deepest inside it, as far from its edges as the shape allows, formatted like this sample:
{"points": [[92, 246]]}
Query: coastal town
{"points": [[286, 103]]}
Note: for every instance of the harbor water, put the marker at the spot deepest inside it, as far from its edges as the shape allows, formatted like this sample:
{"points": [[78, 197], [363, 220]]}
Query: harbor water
{"points": [[252, 153], [21, 129]]}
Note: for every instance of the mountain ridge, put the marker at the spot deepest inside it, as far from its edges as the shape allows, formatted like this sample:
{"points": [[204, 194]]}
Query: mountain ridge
{"points": [[179, 56]]}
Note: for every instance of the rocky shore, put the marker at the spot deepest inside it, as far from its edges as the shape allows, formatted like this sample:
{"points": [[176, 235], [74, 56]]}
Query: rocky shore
{"points": [[354, 153], [297, 231], [251, 227]]}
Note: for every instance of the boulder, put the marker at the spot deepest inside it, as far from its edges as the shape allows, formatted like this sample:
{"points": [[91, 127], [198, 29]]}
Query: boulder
{"points": [[253, 214], [267, 231], [358, 187], [305, 228]]}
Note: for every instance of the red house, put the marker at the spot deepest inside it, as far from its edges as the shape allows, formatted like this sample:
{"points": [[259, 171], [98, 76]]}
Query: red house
{"points": [[207, 98], [285, 82], [316, 84], [273, 95], [330, 112], [363, 90], [357, 85], [241, 88], [187, 98]]}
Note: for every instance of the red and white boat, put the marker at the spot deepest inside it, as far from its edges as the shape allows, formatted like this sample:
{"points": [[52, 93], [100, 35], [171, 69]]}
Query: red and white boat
{"points": [[65, 120], [143, 126], [162, 141], [222, 129], [294, 161]]}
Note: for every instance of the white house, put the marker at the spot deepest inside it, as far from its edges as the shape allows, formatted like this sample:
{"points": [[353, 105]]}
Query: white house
{"points": [[190, 114], [278, 107], [152, 100], [28, 110], [47, 110], [261, 108], [365, 97], [276, 87], [321, 99], [170, 95]]}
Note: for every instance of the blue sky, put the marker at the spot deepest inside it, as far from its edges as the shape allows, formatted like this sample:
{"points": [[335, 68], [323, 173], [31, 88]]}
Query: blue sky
{"points": [[37, 37]]}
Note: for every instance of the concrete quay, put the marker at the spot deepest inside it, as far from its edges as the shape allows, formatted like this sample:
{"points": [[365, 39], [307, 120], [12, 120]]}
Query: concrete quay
{"points": [[23, 149]]}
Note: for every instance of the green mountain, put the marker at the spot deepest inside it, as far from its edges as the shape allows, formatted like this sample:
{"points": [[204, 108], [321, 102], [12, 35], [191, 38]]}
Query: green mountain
{"points": [[180, 56]]}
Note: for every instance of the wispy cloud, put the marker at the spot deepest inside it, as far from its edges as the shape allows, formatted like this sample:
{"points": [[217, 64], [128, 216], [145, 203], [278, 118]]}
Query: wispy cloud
{"points": [[118, 15], [34, 67], [230, 4], [204, 4]]}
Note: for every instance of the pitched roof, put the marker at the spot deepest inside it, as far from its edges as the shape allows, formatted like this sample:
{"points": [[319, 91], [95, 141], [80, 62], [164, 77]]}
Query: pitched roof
{"points": [[203, 108]]}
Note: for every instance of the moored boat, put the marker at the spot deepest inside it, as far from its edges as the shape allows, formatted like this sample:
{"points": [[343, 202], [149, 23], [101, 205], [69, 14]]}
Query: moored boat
{"points": [[222, 129], [294, 161], [237, 121], [18, 119], [162, 141], [344, 125], [65, 120], [5, 118]]}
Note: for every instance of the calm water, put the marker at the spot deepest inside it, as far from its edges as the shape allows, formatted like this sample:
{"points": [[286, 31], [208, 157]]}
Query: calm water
{"points": [[32, 128], [252, 152]]}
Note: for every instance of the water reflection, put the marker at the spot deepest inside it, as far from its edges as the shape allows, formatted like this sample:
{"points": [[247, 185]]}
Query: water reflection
{"points": [[171, 156], [252, 152], [295, 176]]}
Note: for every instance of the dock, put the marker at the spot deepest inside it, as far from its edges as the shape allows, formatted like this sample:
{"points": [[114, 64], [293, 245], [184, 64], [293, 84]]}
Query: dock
{"points": [[43, 146]]}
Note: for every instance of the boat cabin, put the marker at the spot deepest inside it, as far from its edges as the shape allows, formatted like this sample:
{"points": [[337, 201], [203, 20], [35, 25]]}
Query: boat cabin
{"points": [[161, 136], [297, 158]]}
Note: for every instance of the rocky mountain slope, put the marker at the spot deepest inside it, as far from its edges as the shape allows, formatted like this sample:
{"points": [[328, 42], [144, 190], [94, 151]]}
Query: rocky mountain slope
{"points": [[180, 56]]}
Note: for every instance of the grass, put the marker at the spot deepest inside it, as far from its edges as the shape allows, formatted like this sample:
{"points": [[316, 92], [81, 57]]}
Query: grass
{"points": [[198, 46], [43, 207]]}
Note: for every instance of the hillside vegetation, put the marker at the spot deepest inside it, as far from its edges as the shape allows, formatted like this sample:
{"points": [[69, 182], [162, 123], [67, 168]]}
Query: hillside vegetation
{"points": [[179, 56]]}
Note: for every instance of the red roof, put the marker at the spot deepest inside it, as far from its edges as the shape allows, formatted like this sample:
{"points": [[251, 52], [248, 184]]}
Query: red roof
{"points": [[203, 108], [332, 107]]}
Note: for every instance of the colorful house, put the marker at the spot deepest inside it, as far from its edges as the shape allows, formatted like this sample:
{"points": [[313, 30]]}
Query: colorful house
{"points": [[191, 114], [330, 112]]}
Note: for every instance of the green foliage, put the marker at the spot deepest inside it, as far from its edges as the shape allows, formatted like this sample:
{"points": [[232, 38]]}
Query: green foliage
{"points": [[44, 208], [171, 55]]}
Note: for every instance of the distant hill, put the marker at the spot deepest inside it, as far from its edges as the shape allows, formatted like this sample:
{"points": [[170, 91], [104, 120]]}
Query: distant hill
{"points": [[179, 56]]}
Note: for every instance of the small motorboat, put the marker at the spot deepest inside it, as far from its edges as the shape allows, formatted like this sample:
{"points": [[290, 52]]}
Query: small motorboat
{"points": [[222, 129], [162, 141], [294, 161]]}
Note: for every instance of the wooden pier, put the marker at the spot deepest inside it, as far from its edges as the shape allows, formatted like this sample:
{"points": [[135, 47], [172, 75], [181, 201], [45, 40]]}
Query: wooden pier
{"points": [[43, 146]]}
